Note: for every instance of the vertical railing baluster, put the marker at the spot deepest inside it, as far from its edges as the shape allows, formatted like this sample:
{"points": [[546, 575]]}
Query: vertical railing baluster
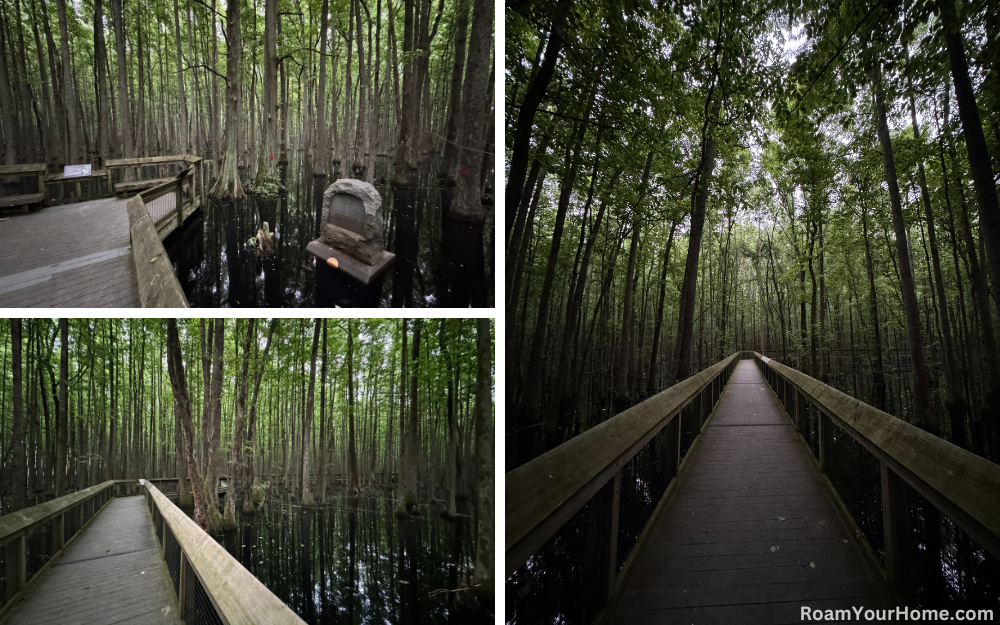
{"points": [[898, 554], [602, 537], [825, 433]]}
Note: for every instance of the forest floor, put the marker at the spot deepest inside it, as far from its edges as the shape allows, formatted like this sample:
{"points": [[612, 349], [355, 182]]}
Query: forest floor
{"points": [[69, 255]]}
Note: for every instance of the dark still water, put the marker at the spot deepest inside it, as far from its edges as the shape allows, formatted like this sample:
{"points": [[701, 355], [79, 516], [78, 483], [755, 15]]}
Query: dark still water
{"points": [[352, 561], [439, 261]]}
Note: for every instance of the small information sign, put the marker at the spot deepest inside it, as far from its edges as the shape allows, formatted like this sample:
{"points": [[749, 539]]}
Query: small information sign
{"points": [[76, 171]]}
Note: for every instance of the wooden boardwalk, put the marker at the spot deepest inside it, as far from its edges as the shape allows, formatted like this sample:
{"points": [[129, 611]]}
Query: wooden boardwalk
{"points": [[112, 573], [68, 255], [750, 535]]}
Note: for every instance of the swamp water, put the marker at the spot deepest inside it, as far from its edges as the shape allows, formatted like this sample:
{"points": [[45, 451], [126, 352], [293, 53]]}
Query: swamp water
{"points": [[439, 261], [352, 561]]}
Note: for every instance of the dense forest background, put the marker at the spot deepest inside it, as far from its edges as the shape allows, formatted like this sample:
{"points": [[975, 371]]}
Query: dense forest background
{"points": [[251, 85], [813, 180], [373, 405]]}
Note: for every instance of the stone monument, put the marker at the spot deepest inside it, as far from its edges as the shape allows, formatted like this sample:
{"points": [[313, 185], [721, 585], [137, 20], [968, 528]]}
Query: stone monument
{"points": [[352, 220], [350, 249]]}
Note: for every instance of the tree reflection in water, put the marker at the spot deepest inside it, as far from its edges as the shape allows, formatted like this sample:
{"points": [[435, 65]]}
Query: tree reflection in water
{"points": [[352, 561]]}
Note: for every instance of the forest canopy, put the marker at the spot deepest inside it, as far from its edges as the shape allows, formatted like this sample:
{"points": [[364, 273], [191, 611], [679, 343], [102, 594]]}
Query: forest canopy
{"points": [[252, 84], [815, 181]]}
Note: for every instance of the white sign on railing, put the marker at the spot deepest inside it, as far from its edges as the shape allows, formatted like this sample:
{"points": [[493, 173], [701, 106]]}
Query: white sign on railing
{"points": [[76, 171]]}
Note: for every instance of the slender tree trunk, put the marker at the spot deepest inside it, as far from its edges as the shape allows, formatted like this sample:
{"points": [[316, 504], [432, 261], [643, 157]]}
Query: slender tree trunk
{"points": [[227, 184], [124, 102], [182, 413], [11, 131], [352, 454], [19, 461], [307, 419], [923, 414], [467, 204], [267, 166], [483, 417], [68, 86]]}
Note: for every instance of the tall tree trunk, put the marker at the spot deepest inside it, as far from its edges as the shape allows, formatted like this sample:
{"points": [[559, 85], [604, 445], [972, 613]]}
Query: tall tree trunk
{"points": [[124, 102], [11, 131], [68, 86], [213, 434], [247, 478], [182, 413], [19, 461], [352, 454], [105, 149], [62, 415], [307, 419], [878, 371], [267, 166], [449, 160], [923, 414], [467, 204], [537, 88], [321, 466], [651, 384], [483, 417], [228, 185], [685, 324], [322, 143], [975, 140]]}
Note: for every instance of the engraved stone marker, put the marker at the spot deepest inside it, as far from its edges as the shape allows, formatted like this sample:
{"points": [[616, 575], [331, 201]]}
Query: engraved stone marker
{"points": [[352, 220]]}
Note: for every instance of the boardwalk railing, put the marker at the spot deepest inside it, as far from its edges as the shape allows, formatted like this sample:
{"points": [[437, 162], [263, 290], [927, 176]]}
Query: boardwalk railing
{"points": [[32, 538], [928, 510], [575, 514], [211, 585]]}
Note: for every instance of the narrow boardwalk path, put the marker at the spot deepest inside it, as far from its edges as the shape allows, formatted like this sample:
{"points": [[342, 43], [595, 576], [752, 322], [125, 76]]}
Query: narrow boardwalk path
{"points": [[749, 520], [113, 573], [68, 255]]}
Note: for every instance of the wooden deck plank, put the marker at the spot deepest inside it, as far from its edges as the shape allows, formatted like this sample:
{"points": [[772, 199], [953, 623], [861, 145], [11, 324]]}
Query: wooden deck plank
{"points": [[112, 573], [708, 557], [69, 255]]}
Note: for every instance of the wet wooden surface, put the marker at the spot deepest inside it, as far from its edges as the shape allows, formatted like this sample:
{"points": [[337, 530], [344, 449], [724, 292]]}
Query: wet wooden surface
{"points": [[112, 573], [750, 535], [68, 255]]}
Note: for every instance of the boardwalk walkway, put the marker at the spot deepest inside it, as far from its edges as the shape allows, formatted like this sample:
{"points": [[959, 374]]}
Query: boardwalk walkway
{"points": [[112, 573], [750, 535], [68, 255]]}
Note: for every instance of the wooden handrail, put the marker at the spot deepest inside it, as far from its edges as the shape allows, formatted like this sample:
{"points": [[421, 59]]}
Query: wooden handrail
{"points": [[30, 168], [236, 595], [21, 522], [151, 160], [961, 484], [544, 493]]}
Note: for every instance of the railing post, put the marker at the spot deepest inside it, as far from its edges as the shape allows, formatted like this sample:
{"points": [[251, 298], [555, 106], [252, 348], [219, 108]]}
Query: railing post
{"points": [[181, 584], [180, 202], [895, 524], [59, 532], [201, 182], [823, 422], [602, 538]]}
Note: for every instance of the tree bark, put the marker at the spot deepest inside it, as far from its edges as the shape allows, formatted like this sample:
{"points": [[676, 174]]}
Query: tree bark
{"points": [[228, 185], [267, 170], [124, 102], [467, 204], [182, 413], [483, 417], [19, 460], [68, 86], [307, 419], [923, 414]]}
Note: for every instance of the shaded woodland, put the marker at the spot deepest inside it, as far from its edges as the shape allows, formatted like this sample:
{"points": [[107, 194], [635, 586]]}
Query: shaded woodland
{"points": [[310, 412], [335, 84], [815, 181]]}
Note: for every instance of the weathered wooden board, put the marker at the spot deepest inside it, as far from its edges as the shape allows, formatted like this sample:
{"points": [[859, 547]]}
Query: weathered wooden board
{"points": [[536, 490], [238, 596], [749, 488], [30, 168], [16, 523], [124, 187], [158, 285], [112, 573], [957, 477], [21, 200]]}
